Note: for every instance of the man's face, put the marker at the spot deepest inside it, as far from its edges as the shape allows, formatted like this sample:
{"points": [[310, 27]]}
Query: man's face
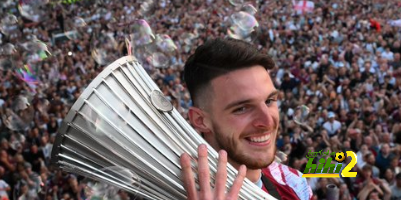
{"points": [[371, 159], [364, 148], [368, 141], [287, 139], [244, 117], [367, 173], [385, 149]]}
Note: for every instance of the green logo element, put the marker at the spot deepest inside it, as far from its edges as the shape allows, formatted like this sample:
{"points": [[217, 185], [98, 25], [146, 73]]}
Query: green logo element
{"points": [[327, 169], [323, 163]]}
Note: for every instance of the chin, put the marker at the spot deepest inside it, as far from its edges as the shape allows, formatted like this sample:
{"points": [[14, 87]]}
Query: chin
{"points": [[259, 164]]}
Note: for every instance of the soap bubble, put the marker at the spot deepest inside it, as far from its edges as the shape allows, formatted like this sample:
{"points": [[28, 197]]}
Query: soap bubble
{"points": [[141, 33], [159, 59], [20, 114], [244, 20], [165, 43], [27, 75], [249, 8], [9, 25], [243, 25], [301, 115], [35, 51], [147, 7], [236, 2], [103, 48], [76, 27], [7, 49], [33, 9]]}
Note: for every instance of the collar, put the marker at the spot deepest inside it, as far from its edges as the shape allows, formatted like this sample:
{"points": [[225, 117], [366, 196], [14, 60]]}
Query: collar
{"points": [[259, 183]]}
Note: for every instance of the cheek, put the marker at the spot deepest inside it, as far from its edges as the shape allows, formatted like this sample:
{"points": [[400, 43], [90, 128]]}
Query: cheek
{"points": [[236, 122], [275, 116], [235, 127]]}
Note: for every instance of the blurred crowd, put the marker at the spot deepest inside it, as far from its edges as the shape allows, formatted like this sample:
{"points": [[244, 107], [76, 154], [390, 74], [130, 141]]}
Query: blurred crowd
{"points": [[341, 59]]}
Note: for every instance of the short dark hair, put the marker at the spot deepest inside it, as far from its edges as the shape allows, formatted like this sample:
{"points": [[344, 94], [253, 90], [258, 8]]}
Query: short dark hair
{"points": [[217, 57], [367, 167], [366, 156]]}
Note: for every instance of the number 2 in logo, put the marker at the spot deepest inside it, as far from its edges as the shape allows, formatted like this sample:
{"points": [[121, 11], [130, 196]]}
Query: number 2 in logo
{"points": [[346, 171]]}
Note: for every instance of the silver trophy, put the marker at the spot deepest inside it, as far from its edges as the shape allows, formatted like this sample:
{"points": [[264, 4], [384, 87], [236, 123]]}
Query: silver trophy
{"points": [[122, 131]]}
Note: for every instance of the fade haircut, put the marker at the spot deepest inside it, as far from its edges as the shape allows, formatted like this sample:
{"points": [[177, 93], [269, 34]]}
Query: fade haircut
{"points": [[217, 57]]}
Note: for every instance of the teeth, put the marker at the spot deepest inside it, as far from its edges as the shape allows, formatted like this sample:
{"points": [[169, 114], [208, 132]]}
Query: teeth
{"points": [[260, 139]]}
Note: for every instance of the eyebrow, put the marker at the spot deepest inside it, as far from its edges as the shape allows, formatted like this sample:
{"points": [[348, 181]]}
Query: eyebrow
{"points": [[239, 102]]}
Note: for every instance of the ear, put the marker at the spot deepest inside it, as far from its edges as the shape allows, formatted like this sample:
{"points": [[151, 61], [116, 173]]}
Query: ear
{"points": [[199, 120]]}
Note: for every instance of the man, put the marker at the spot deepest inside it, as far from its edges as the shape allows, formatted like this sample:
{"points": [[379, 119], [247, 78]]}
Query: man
{"points": [[236, 112], [387, 54], [384, 157], [396, 63], [288, 83], [396, 188], [332, 126], [370, 159], [365, 183]]}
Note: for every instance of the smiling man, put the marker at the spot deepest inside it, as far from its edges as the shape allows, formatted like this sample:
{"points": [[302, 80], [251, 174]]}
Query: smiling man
{"points": [[235, 109]]}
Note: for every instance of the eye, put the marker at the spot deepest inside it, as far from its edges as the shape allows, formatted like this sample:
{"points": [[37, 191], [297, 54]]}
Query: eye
{"points": [[240, 110], [270, 101]]}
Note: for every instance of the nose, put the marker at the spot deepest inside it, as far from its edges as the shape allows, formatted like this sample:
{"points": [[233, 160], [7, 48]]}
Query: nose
{"points": [[263, 117]]}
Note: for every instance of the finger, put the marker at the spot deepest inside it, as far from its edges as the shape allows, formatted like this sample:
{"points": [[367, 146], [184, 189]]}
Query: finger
{"points": [[187, 177], [203, 173], [235, 188], [221, 176]]}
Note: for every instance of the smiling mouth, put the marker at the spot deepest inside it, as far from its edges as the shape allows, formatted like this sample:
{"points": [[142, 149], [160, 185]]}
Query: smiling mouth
{"points": [[259, 139]]}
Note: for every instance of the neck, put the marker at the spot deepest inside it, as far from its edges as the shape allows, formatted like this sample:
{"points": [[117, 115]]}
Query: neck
{"points": [[253, 175]]}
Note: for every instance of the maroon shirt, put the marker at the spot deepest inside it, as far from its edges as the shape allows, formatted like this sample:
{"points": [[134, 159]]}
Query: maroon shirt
{"points": [[288, 182]]}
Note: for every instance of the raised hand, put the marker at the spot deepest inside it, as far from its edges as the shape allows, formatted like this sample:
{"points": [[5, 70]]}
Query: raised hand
{"points": [[206, 192]]}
